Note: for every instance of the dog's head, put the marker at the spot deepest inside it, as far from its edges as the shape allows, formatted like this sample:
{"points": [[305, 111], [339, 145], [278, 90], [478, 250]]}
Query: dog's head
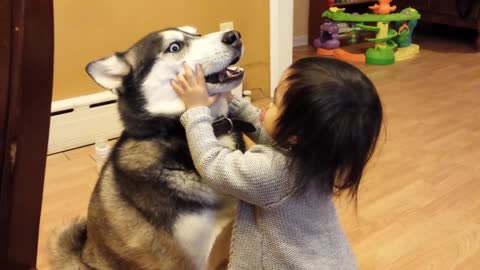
{"points": [[143, 73]]}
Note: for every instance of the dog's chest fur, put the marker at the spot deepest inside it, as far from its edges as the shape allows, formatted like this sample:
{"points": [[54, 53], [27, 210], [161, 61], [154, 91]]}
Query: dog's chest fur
{"points": [[197, 232], [157, 178]]}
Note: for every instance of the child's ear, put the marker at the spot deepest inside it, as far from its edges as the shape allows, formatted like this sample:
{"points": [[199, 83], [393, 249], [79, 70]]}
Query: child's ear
{"points": [[293, 140], [109, 72]]}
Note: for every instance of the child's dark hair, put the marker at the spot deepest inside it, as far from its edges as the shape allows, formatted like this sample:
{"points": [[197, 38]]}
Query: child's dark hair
{"points": [[334, 112]]}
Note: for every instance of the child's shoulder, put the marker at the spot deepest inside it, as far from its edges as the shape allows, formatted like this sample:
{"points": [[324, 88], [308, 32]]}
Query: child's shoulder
{"points": [[258, 148], [271, 152]]}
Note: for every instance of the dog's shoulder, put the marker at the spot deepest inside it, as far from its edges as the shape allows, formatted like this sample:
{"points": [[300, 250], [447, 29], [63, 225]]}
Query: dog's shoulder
{"points": [[143, 155]]}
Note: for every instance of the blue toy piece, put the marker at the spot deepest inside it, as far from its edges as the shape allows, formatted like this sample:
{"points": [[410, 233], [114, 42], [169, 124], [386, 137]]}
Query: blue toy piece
{"points": [[405, 29]]}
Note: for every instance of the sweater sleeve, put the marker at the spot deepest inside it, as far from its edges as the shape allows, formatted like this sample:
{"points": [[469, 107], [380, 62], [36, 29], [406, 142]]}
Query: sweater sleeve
{"points": [[244, 110], [258, 176]]}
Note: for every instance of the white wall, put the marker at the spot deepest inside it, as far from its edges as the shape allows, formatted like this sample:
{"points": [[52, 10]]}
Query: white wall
{"points": [[281, 39]]}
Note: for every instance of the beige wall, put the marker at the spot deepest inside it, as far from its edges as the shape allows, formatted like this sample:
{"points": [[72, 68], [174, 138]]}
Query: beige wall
{"points": [[300, 17], [89, 29]]}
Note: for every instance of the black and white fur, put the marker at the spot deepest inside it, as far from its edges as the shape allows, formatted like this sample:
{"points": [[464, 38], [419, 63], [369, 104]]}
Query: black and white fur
{"points": [[150, 209]]}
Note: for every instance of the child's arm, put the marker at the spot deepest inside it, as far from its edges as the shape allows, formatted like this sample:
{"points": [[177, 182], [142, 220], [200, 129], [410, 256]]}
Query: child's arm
{"points": [[244, 110], [259, 176]]}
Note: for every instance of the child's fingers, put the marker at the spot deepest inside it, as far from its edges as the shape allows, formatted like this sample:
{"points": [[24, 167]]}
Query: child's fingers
{"points": [[189, 76], [199, 74], [228, 95], [182, 82], [177, 88]]}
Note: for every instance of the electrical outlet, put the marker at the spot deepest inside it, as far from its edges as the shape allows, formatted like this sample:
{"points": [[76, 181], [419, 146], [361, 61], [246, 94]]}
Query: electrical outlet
{"points": [[226, 26]]}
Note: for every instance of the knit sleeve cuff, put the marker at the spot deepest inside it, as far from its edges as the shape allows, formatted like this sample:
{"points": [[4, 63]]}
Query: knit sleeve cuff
{"points": [[236, 105], [196, 114]]}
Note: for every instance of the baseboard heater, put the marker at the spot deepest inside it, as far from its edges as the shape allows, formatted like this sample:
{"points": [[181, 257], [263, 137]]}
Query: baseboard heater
{"points": [[82, 120]]}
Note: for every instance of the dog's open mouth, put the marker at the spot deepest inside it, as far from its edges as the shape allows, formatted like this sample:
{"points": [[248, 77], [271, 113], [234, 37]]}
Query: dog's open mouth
{"points": [[229, 74]]}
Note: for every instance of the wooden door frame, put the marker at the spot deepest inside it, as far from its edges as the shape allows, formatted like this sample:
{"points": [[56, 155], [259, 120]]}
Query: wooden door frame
{"points": [[26, 76]]}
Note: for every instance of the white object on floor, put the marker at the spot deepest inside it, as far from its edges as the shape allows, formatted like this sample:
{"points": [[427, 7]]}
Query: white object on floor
{"points": [[102, 151]]}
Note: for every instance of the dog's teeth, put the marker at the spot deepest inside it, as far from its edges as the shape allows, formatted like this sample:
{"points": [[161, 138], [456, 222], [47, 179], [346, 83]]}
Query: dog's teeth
{"points": [[232, 68], [230, 72]]}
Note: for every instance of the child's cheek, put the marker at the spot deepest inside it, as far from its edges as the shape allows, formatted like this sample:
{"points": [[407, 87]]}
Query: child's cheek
{"points": [[263, 112]]}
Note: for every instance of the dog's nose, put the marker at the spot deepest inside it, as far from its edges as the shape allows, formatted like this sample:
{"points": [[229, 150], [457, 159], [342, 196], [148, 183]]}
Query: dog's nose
{"points": [[230, 37]]}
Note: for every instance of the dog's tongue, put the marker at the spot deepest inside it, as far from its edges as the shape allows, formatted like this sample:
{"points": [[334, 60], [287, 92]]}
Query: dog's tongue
{"points": [[229, 73]]}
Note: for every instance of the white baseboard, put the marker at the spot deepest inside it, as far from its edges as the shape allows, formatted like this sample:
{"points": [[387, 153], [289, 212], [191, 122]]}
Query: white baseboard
{"points": [[80, 121], [300, 40]]}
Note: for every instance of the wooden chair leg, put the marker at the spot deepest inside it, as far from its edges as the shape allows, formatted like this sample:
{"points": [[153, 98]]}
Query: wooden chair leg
{"points": [[478, 37]]}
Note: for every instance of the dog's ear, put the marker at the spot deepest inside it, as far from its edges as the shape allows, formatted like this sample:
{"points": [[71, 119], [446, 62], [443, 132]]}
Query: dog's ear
{"points": [[189, 29], [109, 72]]}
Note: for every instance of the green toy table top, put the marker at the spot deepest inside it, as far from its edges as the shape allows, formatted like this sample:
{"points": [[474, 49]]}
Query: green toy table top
{"points": [[366, 17]]}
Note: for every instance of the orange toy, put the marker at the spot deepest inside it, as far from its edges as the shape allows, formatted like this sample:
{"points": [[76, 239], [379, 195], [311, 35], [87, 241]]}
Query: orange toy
{"points": [[342, 54], [383, 7]]}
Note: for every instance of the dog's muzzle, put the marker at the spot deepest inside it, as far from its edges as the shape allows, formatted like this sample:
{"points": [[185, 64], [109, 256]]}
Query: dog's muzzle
{"points": [[233, 38], [229, 73]]}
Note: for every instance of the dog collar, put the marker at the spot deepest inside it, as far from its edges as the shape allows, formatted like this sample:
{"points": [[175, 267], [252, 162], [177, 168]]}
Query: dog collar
{"points": [[228, 125]]}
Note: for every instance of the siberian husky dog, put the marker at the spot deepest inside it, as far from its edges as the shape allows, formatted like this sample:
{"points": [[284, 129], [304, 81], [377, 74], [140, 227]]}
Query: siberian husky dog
{"points": [[149, 208]]}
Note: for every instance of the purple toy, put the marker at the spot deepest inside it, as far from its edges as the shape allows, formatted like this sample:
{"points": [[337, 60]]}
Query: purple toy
{"points": [[328, 36]]}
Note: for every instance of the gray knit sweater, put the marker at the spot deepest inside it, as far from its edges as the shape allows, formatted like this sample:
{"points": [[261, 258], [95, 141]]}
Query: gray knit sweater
{"points": [[274, 229]]}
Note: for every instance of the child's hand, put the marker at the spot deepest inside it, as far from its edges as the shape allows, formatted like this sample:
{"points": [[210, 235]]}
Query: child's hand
{"points": [[228, 96], [192, 89]]}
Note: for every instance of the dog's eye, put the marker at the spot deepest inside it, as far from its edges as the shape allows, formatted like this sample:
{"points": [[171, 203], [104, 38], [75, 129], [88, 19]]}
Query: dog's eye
{"points": [[174, 47]]}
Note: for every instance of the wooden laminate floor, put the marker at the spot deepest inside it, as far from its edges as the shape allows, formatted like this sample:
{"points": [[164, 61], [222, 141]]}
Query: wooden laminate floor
{"points": [[419, 203]]}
